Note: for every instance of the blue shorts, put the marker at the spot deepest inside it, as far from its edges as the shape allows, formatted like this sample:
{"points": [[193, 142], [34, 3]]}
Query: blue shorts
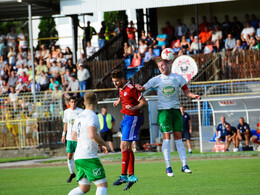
{"points": [[130, 127]]}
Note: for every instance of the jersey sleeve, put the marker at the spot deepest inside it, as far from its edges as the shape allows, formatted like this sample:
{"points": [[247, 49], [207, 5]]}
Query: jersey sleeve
{"points": [[182, 81], [150, 84], [74, 128], [188, 117], [218, 128], [136, 94], [93, 121], [65, 118]]}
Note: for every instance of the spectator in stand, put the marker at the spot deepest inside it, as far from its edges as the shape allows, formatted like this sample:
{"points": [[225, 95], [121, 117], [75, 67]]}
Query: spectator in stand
{"points": [[102, 35], [195, 46], [68, 53], [215, 22], [13, 98], [66, 79], [2, 44], [19, 84], [180, 29], [243, 133], [150, 40], [231, 136], [257, 36], [185, 46], [143, 37], [226, 26], [149, 55], [162, 40], [22, 52], [54, 70], [54, 52], [44, 52], [52, 84], [239, 47], [43, 81], [230, 42], [62, 59], [4, 87], [12, 79], [89, 31], [83, 76], [254, 45], [248, 30], [131, 35], [11, 56], [41, 67], [20, 61], [236, 28], [23, 39], [221, 130], [169, 30], [192, 27], [254, 21], [142, 48], [81, 59], [71, 66], [61, 69], [118, 28], [73, 86], [205, 36], [23, 90], [203, 24], [128, 50], [24, 77], [217, 38], [22, 69], [11, 38], [90, 49], [7, 70], [2, 65]]}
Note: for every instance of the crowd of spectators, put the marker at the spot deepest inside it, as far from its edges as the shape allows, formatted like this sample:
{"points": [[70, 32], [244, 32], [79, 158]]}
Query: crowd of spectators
{"points": [[213, 36]]}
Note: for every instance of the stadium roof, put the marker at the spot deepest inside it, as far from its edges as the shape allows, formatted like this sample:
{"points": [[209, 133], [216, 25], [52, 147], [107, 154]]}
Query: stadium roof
{"points": [[11, 9]]}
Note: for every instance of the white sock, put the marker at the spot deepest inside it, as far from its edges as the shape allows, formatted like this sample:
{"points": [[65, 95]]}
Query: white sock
{"points": [[166, 149], [101, 191], [190, 150], [71, 165], [181, 150], [76, 191]]}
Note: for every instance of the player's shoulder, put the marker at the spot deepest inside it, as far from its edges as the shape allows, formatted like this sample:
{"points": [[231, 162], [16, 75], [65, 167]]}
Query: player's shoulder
{"points": [[67, 110], [79, 109]]}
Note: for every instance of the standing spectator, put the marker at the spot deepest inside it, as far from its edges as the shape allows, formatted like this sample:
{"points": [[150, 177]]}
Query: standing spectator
{"points": [[149, 55], [128, 50], [23, 39], [83, 76], [180, 29], [195, 46], [131, 35], [239, 47], [12, 79], [118, 28], [73, 86], [254, 45], [53, 82], [43, 81], [217, 38], [150, 40], [11, 56], [107, 123], [81, 59], [90, 49], [236, 27], [230, 42], [231, 136], [143, 37], [102, 35], [226, 26], [257, 36], [169, 30], [192, 26], [187, 127], [221, 130], [243, 133], [203, 24], [215, 22], [162, 39], [2, 44], [248, 30], [89, 31], [254, 21], [11, 38]]}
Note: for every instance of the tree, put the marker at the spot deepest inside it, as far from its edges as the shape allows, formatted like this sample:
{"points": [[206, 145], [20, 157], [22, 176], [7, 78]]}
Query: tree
{"points": [[110, 19], [47, 29]]}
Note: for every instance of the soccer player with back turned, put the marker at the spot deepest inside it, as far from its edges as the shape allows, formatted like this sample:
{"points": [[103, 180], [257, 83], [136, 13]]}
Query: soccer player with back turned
{"points": [[132, 101]]}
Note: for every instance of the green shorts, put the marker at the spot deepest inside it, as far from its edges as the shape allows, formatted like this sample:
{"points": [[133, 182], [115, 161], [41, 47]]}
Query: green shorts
{"points": [[71, 146], [92, 169], [169, 120]]}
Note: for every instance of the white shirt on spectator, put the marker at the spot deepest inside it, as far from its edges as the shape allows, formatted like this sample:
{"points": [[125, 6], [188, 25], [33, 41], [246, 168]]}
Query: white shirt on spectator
{"points": [[74, 85], [11, 36], [247, 31], [2, 37], [23, 43], [179, 30], [90, 51], [258, 32], [42, 80], [216, 35], [19, 62], [83, 74], [20, 70], [11, 57]]}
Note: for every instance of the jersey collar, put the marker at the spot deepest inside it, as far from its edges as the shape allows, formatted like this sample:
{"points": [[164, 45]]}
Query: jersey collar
{"points": [[125, 85]]}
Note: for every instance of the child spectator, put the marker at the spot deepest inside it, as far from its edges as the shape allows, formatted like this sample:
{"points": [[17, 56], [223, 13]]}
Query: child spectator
{"points": [[11, 56], [254, 45]]}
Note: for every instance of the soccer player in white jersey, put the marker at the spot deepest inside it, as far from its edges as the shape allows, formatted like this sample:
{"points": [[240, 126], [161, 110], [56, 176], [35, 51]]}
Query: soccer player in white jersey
{"points": [[86, 132], [70, 115], [169, 115]]}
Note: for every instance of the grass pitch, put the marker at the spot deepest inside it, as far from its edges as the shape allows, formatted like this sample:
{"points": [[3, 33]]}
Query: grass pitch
{"points": [[225, 176]]}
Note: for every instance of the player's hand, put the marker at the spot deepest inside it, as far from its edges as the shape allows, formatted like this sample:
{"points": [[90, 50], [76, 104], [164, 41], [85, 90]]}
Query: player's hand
{"points": [[139, 87], [115, 104], [190, 130], [130, 107], [105, 150], [197, 97], [63, 139]]}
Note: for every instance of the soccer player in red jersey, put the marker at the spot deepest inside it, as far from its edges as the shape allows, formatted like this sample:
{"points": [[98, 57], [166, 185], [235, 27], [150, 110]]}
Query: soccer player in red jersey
{"points": [[132, 101]]}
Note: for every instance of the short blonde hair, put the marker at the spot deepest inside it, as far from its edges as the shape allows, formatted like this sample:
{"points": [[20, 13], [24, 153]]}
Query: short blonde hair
{"points": [[90, 98], [159, 59]]}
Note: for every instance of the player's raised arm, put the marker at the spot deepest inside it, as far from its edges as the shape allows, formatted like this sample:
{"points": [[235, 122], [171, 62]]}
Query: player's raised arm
{"points": [[96, 138], [189, 94]]}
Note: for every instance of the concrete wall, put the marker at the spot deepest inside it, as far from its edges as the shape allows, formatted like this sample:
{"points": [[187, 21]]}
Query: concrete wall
{"points": [[235, 8]]}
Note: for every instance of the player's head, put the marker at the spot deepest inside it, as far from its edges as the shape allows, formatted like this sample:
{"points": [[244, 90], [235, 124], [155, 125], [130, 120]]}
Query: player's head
{"points": [[222, 119], [90, 99], [163, 66], [73, 102], [104, 110], [228, 127], [241, 120], [118, 78]]}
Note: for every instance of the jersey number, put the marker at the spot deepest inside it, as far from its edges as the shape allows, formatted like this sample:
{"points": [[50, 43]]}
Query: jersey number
{"points": [[78, 129]]}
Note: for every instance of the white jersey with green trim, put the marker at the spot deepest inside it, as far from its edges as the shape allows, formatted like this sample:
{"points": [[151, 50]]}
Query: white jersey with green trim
{"points": [[69, 118], [86, 147], [167, 89]]}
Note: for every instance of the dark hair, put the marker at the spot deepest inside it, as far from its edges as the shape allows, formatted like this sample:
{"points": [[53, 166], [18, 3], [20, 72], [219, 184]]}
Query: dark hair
{"points": [[104, 107], [117, 74], [73, 98]]}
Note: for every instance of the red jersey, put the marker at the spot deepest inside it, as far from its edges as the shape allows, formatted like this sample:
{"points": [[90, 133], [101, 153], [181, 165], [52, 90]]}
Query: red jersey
{"points": [[129, 95], [130, 32]]}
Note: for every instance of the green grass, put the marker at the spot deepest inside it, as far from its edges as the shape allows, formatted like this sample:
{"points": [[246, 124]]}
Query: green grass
{"points": [[227, 176], [4, 160]]}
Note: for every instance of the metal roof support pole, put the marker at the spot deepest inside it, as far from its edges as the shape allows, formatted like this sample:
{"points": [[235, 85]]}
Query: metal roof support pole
{"points": [[33, 87], [197, 24], [200, 131]]}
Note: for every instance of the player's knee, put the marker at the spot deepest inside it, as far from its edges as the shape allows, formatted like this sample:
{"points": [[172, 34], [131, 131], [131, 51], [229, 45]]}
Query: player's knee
{"points": [[105, 184], [84, 188]]}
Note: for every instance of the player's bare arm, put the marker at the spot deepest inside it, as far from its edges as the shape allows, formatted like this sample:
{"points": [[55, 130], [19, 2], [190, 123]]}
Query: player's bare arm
{"points": [[115, 104], [96, 138], [74, 136], [142, 103], [140, 87], [63, 138], [191, 95]]}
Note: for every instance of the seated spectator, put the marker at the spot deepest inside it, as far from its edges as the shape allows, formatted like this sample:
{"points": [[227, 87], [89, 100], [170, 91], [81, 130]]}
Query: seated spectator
{"points": [[52, 83], [33, 87], [254, 45], [11, 56], [195, 46], [13, 98], [230, 137], [19, 84], [205, 36], [243, 133], [2, 65], [169, 30], [142, 48], [62, 59], [180, 29], [20, 61], [239, 47], [162, 39], [90, 49], [131, 35], [149, 55], [176, 46], [203, 24], [12, 79], [4, 87], [54, 52], [83, 76], [143, 37], [217, 38], [255, 138], [24, 77], [43, 81], [71, 66], [68, 53], [61, 68], [221, 130], [257, 35], [248, 30], [54, 70], [22, 52], [66, 78], [128, 50], [150, 40], [254, 21], [230, 43], [23, 39], [22, 69], [73, 86], [185, 45], [23, 90], [40, 67], [2, 44], [44, 52], [81, 59]]}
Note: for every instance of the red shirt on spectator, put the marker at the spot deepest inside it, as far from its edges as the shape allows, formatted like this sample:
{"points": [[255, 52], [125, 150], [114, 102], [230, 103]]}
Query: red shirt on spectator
{"points": [[129, 95], [130, 32], [204, 36], [25, 79]]}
